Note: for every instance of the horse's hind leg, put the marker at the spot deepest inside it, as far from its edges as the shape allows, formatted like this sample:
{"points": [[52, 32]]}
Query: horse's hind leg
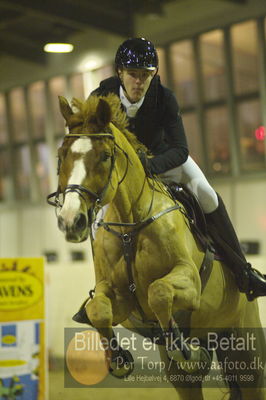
{"points": [[187, 386], [244, 367]]}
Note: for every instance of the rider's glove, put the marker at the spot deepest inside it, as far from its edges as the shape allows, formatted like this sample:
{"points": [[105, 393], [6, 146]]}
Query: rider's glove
{"points": [[144, 161]]}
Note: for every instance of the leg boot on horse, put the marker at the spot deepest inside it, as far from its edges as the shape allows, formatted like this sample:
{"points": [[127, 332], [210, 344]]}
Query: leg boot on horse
{"points": [[249, 280]]}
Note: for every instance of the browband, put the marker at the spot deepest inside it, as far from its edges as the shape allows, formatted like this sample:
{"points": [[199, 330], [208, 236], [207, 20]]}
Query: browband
{"points": [[100, 135]]}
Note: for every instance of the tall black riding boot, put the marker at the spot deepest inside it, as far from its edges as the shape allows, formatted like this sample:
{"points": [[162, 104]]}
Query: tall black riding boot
{"points": [[221, 230]]}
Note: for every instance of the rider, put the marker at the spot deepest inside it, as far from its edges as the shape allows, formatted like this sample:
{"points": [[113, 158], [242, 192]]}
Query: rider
{"points": [[154, 117]]}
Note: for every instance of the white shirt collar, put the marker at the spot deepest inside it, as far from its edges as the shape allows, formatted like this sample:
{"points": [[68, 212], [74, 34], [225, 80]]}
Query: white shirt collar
{"points": [[131, 108]]}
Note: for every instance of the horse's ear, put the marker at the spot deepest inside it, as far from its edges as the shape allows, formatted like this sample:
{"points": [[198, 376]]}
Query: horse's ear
{"points": [[65, 108], [103, 113]]}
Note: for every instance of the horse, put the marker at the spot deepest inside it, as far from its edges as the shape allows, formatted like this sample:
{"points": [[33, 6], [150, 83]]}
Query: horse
{"points": [[148, 261]]}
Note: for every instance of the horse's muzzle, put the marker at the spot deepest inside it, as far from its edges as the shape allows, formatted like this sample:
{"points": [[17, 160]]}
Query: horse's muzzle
{"points": [[77, 231], [80, 223]]}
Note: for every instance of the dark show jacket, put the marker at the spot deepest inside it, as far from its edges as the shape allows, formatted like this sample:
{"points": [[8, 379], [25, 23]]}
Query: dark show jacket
{"points": [[158, 124]]}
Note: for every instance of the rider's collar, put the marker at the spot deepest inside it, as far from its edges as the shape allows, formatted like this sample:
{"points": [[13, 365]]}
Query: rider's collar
{"points": [[131, 108]]}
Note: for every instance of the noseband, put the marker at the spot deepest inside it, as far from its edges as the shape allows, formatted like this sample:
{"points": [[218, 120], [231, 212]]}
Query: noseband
{"points": [[53, 198]]}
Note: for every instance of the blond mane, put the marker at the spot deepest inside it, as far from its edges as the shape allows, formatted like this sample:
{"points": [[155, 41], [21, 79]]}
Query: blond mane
{"points": [[87, 111]]}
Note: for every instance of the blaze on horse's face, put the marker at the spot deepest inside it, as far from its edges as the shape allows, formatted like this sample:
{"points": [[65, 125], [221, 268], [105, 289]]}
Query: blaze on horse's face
{"points": [[85, 162]]}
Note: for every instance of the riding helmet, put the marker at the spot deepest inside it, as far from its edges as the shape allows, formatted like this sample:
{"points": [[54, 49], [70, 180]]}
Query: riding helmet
{"points": [[137, 53]]}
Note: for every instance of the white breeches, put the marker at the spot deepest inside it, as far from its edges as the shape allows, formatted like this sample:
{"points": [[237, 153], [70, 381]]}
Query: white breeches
{"points": [[191, 175]]}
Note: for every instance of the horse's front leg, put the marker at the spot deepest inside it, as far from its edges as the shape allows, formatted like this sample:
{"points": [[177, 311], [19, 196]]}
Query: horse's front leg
{"points": [[178, 290], [100, 311]]}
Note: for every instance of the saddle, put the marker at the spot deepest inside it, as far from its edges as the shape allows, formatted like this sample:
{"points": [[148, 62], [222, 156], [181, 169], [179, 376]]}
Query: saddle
{"points": [[194, 212]]}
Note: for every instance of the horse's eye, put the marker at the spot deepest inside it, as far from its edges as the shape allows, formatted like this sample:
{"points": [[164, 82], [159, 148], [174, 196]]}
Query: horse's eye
{"points": [[104, 156]]}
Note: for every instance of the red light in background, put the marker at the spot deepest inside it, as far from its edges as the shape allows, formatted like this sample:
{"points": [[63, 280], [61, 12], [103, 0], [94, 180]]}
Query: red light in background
{"points": [[260, 133]]}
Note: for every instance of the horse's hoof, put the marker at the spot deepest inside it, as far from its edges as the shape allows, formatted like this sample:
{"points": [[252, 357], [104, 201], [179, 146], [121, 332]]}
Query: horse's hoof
{"points": [[176, 355], [122, 365], [200, 360]]}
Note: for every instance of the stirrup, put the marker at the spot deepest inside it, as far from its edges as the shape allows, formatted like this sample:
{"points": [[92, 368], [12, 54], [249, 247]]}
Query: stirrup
{"points": [[243, 278], [257, 284]]}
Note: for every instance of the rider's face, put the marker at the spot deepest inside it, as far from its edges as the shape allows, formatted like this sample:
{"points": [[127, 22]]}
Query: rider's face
{"points": [[136, 82]]}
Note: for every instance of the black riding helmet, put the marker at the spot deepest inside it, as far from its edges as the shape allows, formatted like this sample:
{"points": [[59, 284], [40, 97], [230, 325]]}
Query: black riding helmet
{"points": [[137, 53]]}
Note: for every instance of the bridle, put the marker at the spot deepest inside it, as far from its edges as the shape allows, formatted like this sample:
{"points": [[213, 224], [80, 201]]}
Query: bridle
{"points": [[54, 198]]}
